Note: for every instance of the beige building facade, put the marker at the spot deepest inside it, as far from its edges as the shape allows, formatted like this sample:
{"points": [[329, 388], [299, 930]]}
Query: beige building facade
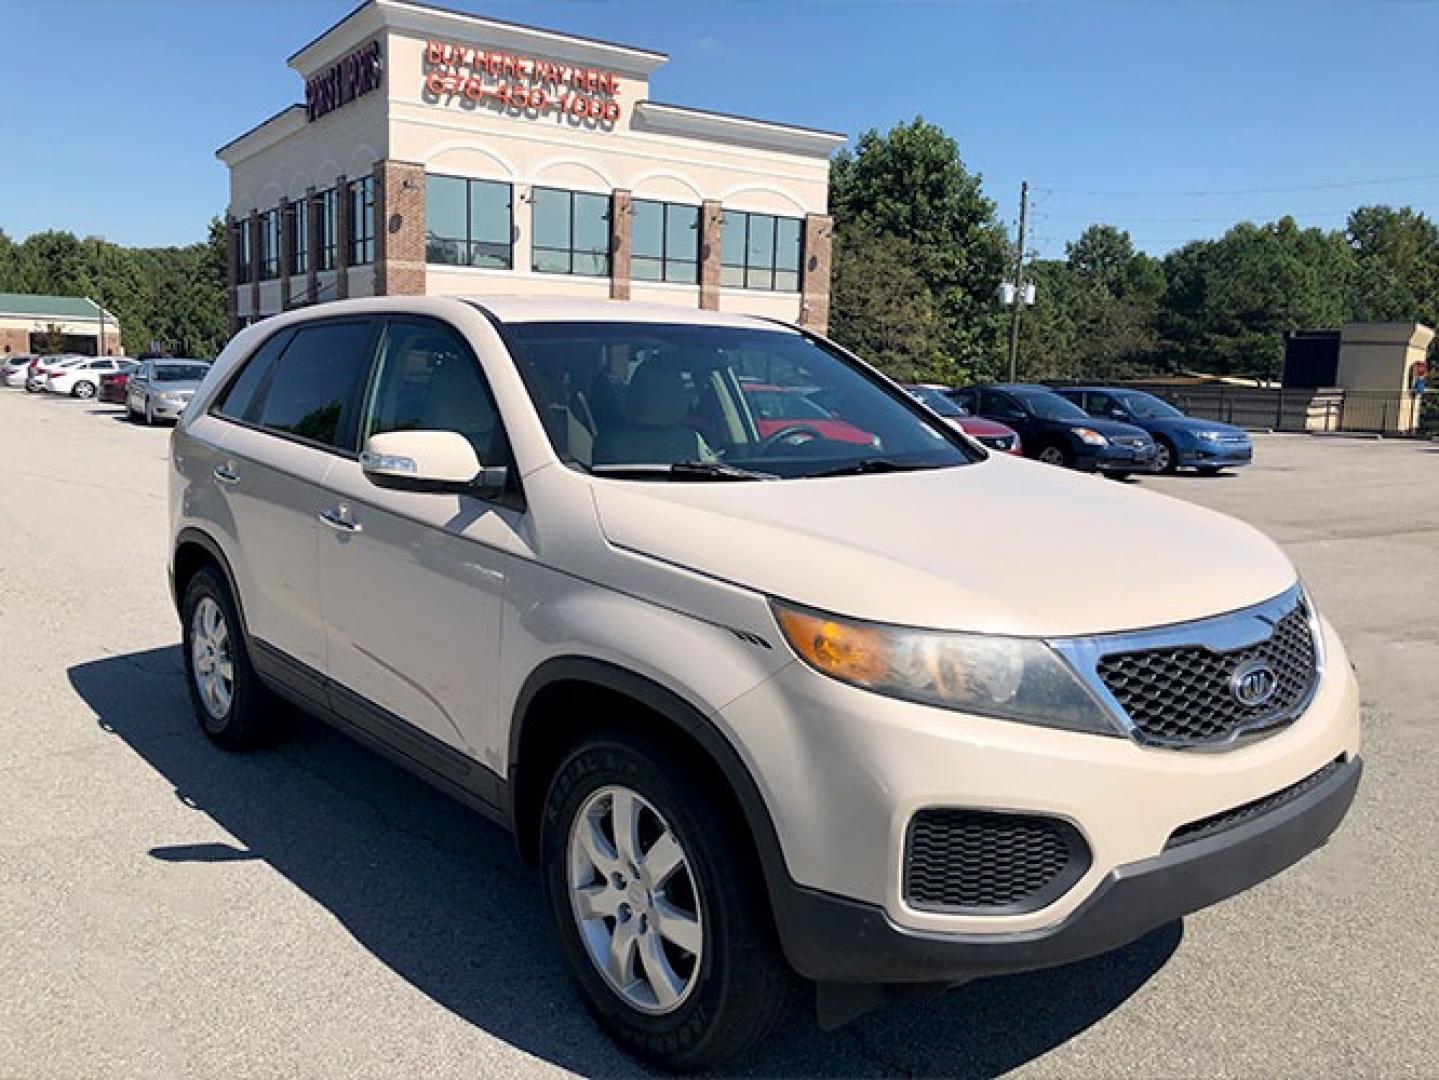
{"points": [[439, 152]]}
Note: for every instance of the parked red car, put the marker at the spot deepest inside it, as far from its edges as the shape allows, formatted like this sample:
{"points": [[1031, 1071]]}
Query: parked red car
{"points": [[991, 433], [778, 407], [113, 388]]}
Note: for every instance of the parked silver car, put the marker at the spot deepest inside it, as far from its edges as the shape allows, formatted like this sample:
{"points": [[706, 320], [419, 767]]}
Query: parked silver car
{"points": [[160, 389]]}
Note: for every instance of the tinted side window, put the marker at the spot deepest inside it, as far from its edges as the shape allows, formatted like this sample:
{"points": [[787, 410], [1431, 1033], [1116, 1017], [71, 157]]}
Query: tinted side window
{"points": [[316, 383], [995, 404], [238, 399], [429, 381], [1099, 404]]}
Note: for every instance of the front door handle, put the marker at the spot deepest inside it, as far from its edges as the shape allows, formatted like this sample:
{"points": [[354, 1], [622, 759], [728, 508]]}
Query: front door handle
{"points": [[338, 518], [226, 473]]}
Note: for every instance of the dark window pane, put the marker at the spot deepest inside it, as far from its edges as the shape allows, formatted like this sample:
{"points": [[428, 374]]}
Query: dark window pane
{"points": [[428, 381], [591, 263], [551, 211], [320, 374], [647, 230], [592, 223], [490, 212], [445, 207], [684, 272], [787, 243], [238, 398], [548, 261], [682, 232], [732, 243], [759, 252], [446, 252], [642, 269]]}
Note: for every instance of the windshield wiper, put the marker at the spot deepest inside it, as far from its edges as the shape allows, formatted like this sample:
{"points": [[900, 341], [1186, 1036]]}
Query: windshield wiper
{"points": [[873, 465], [684, 470]]}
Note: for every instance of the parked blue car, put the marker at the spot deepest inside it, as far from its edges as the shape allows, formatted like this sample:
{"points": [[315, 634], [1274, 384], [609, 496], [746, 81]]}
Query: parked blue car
{"points": [[1184, 442]]}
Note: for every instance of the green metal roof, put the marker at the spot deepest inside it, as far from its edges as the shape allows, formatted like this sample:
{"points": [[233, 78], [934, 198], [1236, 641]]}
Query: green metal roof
{"points": [[49, 307]]}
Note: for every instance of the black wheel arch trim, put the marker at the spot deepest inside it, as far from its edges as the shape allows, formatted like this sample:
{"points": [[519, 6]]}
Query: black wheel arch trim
{"points": [[200, 538], [692, 721]]}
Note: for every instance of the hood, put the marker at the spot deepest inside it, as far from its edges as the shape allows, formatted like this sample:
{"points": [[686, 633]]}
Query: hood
{"points": [[1001, 546], [978, 425], [1189, 423], [1113, 429], [189, 386]]}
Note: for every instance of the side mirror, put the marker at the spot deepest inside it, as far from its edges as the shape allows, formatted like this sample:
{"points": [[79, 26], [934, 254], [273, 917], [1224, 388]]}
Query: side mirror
{"points": [[428, 461]]}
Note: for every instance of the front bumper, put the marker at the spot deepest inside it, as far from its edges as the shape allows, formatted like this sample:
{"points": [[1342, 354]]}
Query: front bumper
{"points": [[1114, 458], [1217, 455], [167, 410], [831, 939]]}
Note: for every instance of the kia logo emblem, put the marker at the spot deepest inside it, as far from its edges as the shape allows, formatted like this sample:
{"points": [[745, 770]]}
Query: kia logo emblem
{"points": [[1253, 683]]}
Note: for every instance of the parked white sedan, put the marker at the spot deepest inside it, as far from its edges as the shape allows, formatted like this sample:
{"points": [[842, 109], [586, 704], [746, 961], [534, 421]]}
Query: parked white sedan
{"points": [[16, 370], [83, 379]]}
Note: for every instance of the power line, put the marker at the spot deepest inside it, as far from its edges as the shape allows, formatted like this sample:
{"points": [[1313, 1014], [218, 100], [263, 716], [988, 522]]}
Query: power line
{"points": [[1220, 219], [1336, 186]]}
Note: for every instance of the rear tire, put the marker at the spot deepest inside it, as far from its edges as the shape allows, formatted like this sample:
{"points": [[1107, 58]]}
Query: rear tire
{"points": [[234, 709], [83, 390], [727, 993]]}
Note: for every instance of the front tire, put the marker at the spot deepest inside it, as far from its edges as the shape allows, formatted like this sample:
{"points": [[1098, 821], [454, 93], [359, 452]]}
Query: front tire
{"points": [[234, 709], [1166, 459], [1054, 454], [660, 909]]}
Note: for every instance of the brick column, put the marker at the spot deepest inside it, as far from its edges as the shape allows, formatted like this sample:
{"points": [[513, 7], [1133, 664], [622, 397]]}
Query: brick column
{"points": [[232, 274], [287, 250], [711, 248], [342, 238], [312, 245], [253, 224], [621, 228], [399, 228], [815, 271]]}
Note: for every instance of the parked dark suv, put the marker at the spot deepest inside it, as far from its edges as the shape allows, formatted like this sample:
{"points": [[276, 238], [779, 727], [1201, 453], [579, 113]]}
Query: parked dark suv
{"points": [[1058, 432], [1206, 445]]}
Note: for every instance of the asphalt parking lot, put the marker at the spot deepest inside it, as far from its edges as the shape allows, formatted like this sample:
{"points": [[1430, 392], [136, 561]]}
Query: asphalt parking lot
{"points": [[310, 911]]}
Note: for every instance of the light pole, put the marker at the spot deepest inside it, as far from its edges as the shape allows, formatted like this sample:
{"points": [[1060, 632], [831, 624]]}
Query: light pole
{"points": [[1021, 297]]}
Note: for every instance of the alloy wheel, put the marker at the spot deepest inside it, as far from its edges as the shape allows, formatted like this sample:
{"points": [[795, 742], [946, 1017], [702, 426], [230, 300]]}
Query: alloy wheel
{"points": [[1052, 455], [211, 658], [635, 900], [1162, 458], [84, 390]]}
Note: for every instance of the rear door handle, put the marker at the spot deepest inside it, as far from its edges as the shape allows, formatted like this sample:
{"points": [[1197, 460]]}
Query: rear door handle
{"points": [[339, 519], [226, 473]]}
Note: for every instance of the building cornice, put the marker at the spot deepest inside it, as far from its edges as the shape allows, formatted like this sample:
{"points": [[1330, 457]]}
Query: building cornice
{"points": [[421, 19], [288, 121], [726, 127]]}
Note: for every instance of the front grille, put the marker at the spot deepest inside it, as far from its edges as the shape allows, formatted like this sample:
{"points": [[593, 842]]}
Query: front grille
{"points": [[998, 442], [1132, 441], [1182, 695], [960, 861], [1239, 815]]}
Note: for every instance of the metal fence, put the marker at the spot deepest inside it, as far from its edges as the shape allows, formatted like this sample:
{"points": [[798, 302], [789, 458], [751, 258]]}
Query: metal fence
{"points": [[1378, 411]]}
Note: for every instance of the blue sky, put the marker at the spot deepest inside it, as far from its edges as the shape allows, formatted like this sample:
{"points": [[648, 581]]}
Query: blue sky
{"points": [[1170, 118]]}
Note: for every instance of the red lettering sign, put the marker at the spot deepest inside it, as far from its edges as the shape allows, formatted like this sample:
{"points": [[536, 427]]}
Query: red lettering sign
{"points": [[520, 82]]}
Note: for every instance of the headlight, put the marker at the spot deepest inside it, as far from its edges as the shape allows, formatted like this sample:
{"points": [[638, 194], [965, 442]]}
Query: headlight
{"points": [[1209, 436], [173, 399], [1008, 677], [1091, 437]]}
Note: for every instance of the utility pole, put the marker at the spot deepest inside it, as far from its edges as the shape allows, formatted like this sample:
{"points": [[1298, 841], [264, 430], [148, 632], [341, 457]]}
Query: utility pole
{"points": [[1018, 280]]}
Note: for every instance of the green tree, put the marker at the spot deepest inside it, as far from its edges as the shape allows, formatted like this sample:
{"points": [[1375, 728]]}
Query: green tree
{"points": [[883, 309], [1396, 254], [911, 183]]}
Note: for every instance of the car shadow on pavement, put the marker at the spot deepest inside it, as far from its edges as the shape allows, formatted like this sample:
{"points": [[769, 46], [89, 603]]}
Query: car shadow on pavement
{"points": [[440, 896]]}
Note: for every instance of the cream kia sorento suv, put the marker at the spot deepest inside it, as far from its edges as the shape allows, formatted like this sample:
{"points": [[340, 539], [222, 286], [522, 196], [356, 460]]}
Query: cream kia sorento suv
{"points": [[766, 711]]}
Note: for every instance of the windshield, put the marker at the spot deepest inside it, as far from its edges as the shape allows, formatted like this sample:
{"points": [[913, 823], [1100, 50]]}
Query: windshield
{"points": [[630, 398], [1149, 407], [936, 400], [1049, 406], [179, 372]]}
